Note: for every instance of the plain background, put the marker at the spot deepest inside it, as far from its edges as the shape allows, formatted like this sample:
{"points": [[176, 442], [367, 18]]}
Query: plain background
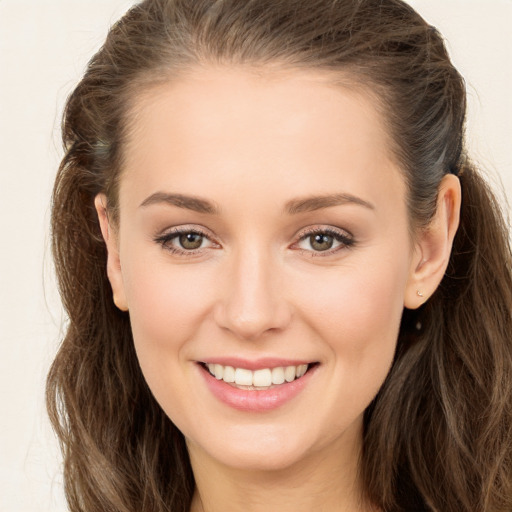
{"points": [[44, 47]]}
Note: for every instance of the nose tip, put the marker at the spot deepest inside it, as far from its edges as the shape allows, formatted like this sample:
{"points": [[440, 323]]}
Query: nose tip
{"points": [[251, 327], [250, 315], [252, 303]]}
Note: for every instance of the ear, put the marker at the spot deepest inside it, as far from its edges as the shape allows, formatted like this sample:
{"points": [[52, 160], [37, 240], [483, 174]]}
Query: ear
{"points": [[434, 244], [113, 261]]}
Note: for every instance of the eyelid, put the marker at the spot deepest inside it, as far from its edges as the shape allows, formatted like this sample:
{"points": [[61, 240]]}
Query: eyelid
{"points": [[344, 237], [169, 234]]}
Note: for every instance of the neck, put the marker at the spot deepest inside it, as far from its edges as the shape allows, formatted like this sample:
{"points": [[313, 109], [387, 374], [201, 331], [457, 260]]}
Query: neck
{"points": [[326, 480]]}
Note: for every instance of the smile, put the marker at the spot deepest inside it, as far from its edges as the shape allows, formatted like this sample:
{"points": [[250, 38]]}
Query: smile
{"points": [[264, 388], [258, 379]]}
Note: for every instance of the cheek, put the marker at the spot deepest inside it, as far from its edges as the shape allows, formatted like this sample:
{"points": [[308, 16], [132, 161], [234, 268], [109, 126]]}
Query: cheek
{"points": [[167, 307], [164, 299], [357, 320], [357, 316], [366, 298]]}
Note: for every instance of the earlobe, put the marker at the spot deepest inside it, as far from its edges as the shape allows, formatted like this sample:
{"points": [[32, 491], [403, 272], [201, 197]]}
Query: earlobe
{"points": [[113, 260], [434, 245]]}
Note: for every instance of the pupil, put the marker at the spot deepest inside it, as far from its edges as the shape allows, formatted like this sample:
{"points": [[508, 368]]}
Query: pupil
{"points": [[191, 241], [321, 242]]}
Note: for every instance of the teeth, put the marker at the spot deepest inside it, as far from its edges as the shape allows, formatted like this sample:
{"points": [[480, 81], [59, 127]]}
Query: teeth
{"points": [[229, 374], [301, 370], [262, 378], [219, 371], [277, 375], [289, 373], [243, 377], [259, 378]]}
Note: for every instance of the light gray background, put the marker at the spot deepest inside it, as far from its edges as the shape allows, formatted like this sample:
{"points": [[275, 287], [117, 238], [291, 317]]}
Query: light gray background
{"points": [[44, 46]]}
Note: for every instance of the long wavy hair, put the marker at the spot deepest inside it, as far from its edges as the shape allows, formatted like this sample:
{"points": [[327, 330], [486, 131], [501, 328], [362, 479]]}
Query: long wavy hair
{"points": [[438, 436]]}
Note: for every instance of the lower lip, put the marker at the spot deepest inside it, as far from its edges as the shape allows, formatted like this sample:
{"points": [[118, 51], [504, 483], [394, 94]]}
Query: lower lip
{"points": [[256, 400]]}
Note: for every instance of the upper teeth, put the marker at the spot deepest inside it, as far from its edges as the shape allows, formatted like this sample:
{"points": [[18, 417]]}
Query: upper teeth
{"points": [[259, 378]]}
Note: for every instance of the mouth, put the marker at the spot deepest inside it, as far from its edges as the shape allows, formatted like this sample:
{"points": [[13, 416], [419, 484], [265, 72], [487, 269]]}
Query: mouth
{"points": [[260, 379]]}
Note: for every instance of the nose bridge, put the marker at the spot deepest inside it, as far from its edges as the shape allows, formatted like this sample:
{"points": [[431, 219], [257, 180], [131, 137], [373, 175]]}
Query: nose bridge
{"points": [[252, 302]]}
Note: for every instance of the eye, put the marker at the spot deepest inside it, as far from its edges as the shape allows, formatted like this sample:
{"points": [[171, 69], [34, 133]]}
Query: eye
{"points": [[184, 241], [321, 241], [324, 240], [190, 241]]}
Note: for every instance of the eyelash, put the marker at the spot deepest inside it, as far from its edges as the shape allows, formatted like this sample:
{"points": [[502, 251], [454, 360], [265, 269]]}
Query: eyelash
{"points": [[166, 239], [344, 238]]}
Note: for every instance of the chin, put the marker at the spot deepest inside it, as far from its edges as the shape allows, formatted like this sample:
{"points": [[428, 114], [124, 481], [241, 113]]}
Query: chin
{"points": [[264, 449], [261, 460]]}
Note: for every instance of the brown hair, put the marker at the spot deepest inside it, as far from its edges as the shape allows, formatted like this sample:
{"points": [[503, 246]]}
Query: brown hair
{"points": [[438, 435]]}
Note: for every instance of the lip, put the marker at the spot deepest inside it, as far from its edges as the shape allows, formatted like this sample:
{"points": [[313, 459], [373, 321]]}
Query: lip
{"points": [[255, 400]]}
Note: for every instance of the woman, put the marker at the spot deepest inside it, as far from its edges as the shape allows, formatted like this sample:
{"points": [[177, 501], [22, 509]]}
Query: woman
{"points": [[288, 287]]}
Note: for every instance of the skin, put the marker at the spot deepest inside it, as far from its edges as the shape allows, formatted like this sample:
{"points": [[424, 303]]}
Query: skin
{"points": [[249, 143]]}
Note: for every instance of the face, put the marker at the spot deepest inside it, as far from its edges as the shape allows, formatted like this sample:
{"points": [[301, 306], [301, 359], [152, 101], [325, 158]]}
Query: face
{"points": [[263, 234]]}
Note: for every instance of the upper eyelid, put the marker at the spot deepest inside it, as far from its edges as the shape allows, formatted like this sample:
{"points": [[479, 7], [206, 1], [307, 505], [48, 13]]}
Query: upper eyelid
{"points": [[345, 238], [323, 229], [167, 237], [192, 228], [168, 234]]}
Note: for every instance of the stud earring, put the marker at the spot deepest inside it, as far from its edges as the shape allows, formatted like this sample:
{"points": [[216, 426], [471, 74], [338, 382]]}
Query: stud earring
{"points": [[419, 294]]}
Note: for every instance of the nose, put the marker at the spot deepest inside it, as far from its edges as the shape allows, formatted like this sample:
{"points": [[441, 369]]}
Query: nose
{"points": [[252, 302]]}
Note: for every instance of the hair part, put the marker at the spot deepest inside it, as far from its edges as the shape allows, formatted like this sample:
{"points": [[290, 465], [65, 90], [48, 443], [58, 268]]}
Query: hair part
{"points": [[439, 432]]}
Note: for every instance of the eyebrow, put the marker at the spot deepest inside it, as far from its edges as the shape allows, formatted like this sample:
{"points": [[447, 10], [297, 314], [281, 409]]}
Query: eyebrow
{"points": [[312, 203], [195, 204], [295, 206]]}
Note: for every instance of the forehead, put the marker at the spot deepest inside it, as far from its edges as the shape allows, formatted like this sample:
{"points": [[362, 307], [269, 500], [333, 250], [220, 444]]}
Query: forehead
{"points": [[232, 126], [227, 94]]}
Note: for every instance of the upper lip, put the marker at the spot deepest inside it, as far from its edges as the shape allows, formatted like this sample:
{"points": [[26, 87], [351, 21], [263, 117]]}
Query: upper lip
{"points": [[255, 364]]}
